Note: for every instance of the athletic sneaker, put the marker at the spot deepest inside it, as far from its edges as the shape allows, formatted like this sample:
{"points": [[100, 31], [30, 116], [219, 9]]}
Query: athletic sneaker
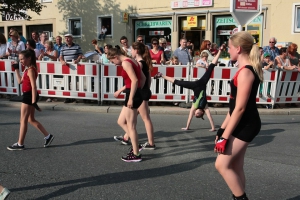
{"points": [[158, 75], [15, 147], [4, 193], [132, 158], [140, 148], [121, 139], [147, 146], [48, 141]]}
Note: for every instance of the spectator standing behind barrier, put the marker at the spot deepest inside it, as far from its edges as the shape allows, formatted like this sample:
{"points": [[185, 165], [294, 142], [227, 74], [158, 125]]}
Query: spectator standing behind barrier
{"points": [[242, 122], [156, 54], [104, 55], [29, 100], [272, 49], [98, 49], [36, 37], [68, 53], [293, 55], [43, 39], [266, 64], [261, 53], [282, 61], [4, 193], [191, 47], [58, 45], [30, 44], [140, 39], [21, 37], [173, 61], [205, 46], [2, 45], [213, 49], [50, 53], [162, 46], [202, 62], [182, 53], [15, 46], [125, 46], [102, 33]]}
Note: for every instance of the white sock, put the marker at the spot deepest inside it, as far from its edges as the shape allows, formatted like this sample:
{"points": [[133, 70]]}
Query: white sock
{"points": [[47, 137]]}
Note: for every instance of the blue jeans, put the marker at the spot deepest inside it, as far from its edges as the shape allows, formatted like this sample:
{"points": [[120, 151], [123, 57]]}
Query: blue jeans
{"points": [[102, 36]]}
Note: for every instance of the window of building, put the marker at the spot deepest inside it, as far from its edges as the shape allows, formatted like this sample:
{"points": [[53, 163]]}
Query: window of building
{"points": [[75, 27], [43, 28], [296, 18], [106, 21], [2, 30]]}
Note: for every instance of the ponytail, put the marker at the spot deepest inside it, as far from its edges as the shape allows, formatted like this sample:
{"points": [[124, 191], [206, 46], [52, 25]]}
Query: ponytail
{"points": [[254, 58], [147, 58]]}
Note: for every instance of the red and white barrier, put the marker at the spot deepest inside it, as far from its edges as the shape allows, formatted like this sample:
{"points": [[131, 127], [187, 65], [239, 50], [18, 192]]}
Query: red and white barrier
{"points": [[8, 82]]}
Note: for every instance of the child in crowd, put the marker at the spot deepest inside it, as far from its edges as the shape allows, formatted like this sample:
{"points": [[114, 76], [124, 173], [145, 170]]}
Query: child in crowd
{"points": [[202, 62], [266, 64], [173, 61]]}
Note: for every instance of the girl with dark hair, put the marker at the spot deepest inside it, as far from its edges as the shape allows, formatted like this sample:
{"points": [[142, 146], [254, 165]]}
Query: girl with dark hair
{"points": [[141, 54], [134, 80], [104, 55], [156, 54], [29, 101]]}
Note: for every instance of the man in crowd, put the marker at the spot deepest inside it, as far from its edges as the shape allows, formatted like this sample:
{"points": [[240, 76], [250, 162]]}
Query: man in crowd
{"points": [[140, 39], [68, 53], [125, 46], [271, 49], [182, 52], [36, 37], [58, 44], [163, 46]]}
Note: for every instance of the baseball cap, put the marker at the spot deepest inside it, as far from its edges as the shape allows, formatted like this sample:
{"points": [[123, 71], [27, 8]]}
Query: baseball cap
{"points": [[266, 54], [68, 35]]}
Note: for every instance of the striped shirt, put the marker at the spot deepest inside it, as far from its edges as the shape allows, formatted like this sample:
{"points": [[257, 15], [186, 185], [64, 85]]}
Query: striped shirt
{"points": [[68, 53]]}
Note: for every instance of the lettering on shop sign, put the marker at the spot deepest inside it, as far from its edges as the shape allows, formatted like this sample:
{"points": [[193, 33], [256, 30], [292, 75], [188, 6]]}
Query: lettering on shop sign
{"points": [[153, 24], [246, 5], [11, 17], [231, 20]]}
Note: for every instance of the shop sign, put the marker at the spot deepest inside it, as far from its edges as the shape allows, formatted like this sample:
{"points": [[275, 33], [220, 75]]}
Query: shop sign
{"points": [[191, 3], [224, 32], [192, 21], [11, 16], [246, 5], [124, 17], [153, 24], [220, 21], [156, 33]]}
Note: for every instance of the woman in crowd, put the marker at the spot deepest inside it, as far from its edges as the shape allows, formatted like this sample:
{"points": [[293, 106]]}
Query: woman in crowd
{"points": [[141, 54], [282, 61], [131, 74], [205, 46], [29, 101], [15, 46], [199, 106], [104, 55], [50, 53], [2, 45], [293, 55], [30, 44], [97, 48], [157, 55], [213, 49], [242, 122]]}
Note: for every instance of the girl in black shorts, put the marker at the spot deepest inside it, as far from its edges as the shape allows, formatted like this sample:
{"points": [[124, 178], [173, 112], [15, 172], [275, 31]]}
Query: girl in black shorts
{"points": [[29, 101], [133, 79], [141, 54], [242, 122]]}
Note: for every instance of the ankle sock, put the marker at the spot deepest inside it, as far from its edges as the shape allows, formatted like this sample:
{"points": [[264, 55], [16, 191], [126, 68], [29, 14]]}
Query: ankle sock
{"points": [[47, 137]]}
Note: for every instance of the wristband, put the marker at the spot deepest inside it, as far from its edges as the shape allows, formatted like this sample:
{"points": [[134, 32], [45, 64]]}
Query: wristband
{"points": [[220, 133]]}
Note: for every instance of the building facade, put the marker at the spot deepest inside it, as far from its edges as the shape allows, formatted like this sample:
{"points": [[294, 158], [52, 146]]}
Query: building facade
{"points": [[168, 19]]}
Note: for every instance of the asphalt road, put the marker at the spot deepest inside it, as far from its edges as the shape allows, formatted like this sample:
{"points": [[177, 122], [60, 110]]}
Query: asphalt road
{"points": [[84, 160]]}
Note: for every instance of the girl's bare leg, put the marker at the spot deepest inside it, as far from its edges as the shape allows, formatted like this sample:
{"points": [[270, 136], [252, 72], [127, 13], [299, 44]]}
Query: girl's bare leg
{"points": [[145, 115], [211, 121], [131, 119], [24, 115], [35, 123], [122, 122]]}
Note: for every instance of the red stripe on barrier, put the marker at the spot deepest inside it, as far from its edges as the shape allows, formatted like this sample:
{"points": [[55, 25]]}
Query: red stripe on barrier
{"points": [[66, 94], [225, 73], [278, 99], [52, 92], [283, 76], [169, 97], [50, 68], [182, 97], [81, 69], [269, 99], [65, 69], [154, 71], [208, 97], [195, 72], [105, 70], [2, 66], [288, 99], [39, 91], [183, 72], [81, 94], [2, 89], [257, 99], [105, 96], [294, 76], [273, 75], [94, 70], [38, 67], [154, 96], [95, 95], [298, 99], [170, 71], [119, 70], [122, 96], [222, 98], [14, 90]]}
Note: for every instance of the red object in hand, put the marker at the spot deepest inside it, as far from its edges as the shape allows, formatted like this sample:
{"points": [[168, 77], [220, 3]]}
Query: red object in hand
{"points": [[221, 145]]}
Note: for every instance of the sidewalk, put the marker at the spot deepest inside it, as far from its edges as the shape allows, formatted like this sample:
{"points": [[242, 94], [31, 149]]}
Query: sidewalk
{"points": [[165, 108]]}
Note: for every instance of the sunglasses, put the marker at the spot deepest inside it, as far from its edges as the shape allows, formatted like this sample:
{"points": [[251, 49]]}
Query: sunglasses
{"points": [[272, 42], [163, 43], [140, 40], [154, 43]]}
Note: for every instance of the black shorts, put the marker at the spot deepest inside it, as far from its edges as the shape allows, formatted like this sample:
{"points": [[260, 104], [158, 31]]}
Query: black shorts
{"points": [[137, 99], [27, 98], [146, 94]]}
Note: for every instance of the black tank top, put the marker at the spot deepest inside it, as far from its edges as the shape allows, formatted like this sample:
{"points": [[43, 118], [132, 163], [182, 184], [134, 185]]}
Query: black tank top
{"points": [[145, 70]]}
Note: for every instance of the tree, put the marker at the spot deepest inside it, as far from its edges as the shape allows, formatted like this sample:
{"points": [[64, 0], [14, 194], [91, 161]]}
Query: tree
{"points": [[19, 7]]}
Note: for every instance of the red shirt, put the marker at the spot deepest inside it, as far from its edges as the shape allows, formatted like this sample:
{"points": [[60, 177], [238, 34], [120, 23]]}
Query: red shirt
{"points": [[126, 78], [157, 56], [26, 85]]}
